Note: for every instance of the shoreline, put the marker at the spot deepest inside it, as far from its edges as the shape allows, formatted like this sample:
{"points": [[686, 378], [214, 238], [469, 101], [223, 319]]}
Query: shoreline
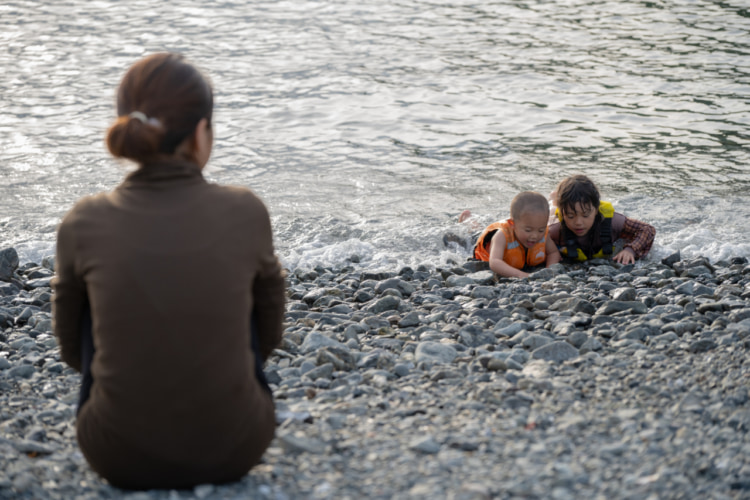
{"points": [[582, 381]]}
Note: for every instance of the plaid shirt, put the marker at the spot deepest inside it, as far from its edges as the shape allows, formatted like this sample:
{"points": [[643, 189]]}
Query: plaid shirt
{"points": [[640, 236]]}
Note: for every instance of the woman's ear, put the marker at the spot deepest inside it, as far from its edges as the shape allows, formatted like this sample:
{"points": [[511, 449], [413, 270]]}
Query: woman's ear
{"points": [[203, 140], [197, 146]]}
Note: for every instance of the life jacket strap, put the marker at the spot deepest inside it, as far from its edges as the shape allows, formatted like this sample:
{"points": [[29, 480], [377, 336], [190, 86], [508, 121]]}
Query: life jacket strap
{"points": [[605, 236]]}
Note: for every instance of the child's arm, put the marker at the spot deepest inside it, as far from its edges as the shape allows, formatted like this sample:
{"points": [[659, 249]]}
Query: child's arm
{"points": [[497, 264], [640, 236], [553, 254]]}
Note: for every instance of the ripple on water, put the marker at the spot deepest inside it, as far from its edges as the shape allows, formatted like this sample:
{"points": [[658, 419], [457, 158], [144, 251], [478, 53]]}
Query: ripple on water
{"points": [[392, 118]]}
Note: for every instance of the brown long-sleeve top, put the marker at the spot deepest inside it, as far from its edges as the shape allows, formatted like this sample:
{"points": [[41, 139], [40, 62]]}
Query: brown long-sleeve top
{"points": [[639, 235], [173, 267]]}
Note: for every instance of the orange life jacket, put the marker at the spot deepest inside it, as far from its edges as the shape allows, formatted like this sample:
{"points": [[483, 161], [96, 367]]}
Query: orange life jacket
{"points": [[516, 255]]}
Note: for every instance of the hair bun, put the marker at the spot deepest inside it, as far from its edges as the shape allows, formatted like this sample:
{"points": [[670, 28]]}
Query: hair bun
{"points": [[135, 136]]}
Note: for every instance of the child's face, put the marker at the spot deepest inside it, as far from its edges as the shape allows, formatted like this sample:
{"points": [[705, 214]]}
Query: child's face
{"points": [[580, 218], [530, 227]]}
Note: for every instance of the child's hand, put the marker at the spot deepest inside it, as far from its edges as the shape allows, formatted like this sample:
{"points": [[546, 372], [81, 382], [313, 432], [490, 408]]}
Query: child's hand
{"points": [[626, 256]]}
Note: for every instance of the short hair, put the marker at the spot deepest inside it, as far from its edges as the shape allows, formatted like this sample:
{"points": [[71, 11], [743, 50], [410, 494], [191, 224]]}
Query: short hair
{"points": [[528, 201], [577, 189]]}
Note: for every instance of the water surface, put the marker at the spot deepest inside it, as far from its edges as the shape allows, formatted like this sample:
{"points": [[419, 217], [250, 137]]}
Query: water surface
{"points": [[367, 127]]}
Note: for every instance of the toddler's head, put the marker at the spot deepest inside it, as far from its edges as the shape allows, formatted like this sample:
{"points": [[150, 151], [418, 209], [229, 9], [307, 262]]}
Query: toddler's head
{"points": [[530, 213], [578, 203]]}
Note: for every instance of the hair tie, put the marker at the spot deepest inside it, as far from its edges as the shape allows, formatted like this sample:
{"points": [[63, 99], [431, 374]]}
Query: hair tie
{"points": [[145, 119]]}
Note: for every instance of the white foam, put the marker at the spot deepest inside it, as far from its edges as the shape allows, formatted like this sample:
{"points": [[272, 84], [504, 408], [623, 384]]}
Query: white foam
{"points": [[34, 251], [717, 243], [318, 253]]}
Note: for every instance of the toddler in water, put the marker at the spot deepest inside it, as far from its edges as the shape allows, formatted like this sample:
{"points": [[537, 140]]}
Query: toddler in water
{"points": [[589, 227], [520, 242]]}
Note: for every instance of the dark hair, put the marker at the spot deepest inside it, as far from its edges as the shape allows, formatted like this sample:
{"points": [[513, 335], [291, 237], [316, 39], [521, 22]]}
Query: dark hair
{"points": [[528, 201], [160, 101], [574, 190]]}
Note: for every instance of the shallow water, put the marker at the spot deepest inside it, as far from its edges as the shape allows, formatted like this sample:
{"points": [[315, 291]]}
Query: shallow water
{"points": [[367, 127]]}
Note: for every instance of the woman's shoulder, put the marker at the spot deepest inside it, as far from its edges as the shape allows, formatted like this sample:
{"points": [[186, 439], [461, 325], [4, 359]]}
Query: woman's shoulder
{"points": [[87, 211], [89, 204], [238, 198], [237, 194]]}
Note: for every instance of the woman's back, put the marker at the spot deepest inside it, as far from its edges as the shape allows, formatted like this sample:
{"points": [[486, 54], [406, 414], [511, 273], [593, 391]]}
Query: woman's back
{"points": [[174, 270]]}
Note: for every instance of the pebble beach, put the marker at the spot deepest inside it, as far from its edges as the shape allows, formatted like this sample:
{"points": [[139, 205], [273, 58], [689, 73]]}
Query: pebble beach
{"points": [[595, 380]]}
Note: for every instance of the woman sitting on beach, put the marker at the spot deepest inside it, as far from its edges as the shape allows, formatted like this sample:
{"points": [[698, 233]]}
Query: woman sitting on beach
{"points": [[168, 298]]}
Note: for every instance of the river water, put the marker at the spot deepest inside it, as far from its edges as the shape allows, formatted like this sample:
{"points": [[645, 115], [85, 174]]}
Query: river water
{"points": [[366, 127]]}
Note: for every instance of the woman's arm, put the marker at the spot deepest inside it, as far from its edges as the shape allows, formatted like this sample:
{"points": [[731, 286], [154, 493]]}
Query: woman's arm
{"points": [[268, 292], [497, 264], [70, 299]]}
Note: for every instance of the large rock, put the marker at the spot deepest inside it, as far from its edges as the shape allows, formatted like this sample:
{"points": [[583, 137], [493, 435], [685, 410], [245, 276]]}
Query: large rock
{"points": [[671, 260], [8, 263]]}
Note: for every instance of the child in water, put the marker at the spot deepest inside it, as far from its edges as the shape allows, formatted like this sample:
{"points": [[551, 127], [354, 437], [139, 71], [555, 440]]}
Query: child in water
{"points": [[521, 242], [588, 227]]}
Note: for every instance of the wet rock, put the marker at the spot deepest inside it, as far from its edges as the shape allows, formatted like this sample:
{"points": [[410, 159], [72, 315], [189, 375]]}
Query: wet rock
{"points": [[672, 259], [8, 263]]}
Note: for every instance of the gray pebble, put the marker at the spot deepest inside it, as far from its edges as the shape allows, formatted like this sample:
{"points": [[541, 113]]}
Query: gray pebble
{"points": [[426, 445], [606, 363], [21, 371], [435, 352], [557, 351]]}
